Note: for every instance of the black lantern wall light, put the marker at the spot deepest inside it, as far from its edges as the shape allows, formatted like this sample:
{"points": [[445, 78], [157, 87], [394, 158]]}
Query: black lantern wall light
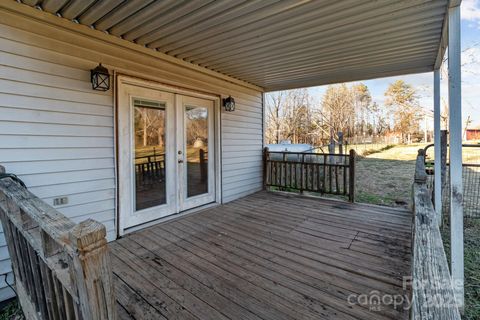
{"points": [[100, 78], [229, 104]]}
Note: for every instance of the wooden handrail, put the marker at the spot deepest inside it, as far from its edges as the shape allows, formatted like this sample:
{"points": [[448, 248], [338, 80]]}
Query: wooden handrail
{"points": [[62, 269], [433, 295], [322, 173]]}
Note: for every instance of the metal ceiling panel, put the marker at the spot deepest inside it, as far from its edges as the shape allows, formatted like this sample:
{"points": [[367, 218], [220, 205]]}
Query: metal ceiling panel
{"points": [[277, 44], [97, 11], [75, 7], [53, 6]]}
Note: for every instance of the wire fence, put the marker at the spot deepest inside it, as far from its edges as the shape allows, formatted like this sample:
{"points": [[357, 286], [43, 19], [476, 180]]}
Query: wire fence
{"points": [[470, 178]]}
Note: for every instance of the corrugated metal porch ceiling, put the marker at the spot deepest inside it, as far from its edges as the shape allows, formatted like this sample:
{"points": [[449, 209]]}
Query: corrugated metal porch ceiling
{"points": [[276, 44]]}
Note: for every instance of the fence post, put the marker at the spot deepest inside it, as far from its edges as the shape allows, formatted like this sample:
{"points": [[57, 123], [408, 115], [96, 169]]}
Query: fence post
{"points": [[420, 174], [351, 172], [92, 271]]}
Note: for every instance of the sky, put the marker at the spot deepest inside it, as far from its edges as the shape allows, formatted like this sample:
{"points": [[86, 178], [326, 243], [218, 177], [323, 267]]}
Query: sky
{"points": [[423, 82]]}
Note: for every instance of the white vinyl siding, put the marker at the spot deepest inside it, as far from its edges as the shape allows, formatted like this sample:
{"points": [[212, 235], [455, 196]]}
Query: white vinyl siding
{"points": [[57, 134]]}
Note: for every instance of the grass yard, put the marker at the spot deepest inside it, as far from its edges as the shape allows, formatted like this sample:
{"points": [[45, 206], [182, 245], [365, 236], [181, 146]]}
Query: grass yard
{"points": [[11, 311], [385, 178], [472, 266]]}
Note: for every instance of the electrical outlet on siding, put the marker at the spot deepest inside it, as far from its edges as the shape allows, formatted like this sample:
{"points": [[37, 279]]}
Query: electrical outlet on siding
{"points": [[60, 201]]}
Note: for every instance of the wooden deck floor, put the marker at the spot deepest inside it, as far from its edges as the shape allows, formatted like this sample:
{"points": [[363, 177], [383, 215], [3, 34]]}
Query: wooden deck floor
{"points": [[266, 256]]}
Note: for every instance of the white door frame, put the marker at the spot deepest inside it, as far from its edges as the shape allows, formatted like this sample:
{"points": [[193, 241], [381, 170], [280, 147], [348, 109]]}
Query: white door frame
{"points": [[122, 80]]}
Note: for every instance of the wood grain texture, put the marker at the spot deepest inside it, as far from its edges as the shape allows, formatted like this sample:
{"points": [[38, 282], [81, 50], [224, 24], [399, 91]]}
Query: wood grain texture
{"points": [[267, 256], [62, 269], [433, 295]]}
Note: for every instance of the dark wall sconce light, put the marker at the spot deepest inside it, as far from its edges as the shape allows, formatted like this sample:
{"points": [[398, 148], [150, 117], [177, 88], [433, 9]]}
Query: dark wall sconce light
{"points": [[229, 104], [100, 78]]}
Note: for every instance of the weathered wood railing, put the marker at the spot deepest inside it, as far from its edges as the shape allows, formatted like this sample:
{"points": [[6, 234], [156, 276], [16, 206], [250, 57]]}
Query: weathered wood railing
{"points": [[322, 173], [62, 269], [433, 295]]}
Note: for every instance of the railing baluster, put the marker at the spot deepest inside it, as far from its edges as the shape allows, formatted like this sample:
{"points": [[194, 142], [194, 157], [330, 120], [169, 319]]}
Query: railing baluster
{"points": [[294, 165], [351, 170], [272, 181], [67, 300], [37, 281], [59, 297], [330, 180], [302, 168], [49, 292], [324, 184], [336, 180], [318, 177], [28, 271]]}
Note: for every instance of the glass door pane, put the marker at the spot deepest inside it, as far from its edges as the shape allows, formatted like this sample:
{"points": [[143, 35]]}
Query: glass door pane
{"points": [[196, 148], [149, 153]]}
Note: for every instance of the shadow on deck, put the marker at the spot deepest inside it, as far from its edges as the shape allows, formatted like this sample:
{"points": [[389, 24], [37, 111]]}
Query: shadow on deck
{"points": [[267, 256]]}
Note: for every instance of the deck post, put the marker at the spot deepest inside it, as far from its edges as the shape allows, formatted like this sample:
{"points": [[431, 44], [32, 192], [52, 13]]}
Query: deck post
{"points": [[93, 271], [438, 152], [455, 124], [351, 172]]}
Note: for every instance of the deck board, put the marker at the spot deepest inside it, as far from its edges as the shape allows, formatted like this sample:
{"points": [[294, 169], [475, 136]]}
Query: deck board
{"points": [[265, 256]]}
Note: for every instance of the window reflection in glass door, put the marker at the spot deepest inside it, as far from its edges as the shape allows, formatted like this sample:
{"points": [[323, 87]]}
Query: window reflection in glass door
{"points": [[196, 148], [150, 155]]}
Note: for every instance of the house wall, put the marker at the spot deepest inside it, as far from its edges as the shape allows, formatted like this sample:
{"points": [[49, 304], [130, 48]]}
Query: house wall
{"points": [[57, 134], [473, 134]]}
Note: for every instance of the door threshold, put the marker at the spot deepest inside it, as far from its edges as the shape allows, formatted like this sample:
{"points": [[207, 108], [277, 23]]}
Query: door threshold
{"points": [[169, 218]]}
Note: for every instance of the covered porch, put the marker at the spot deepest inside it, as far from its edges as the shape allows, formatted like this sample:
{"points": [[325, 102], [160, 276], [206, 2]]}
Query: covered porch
{"points": [[268, 256], [256, 255]]}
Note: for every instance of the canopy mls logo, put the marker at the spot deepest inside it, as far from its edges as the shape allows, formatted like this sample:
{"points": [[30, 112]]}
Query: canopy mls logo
{"points": [[435, 296]]}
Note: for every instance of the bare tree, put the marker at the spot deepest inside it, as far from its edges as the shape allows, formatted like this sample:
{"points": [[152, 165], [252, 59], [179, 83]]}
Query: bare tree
{"points": [[297, 116], [149, 123], [289, 116], [274, 116], [338, 108], [362, 101]]}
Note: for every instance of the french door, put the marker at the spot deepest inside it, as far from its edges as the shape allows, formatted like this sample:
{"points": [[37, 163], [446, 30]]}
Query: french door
{"points": [[195, 150], [166, 153]]}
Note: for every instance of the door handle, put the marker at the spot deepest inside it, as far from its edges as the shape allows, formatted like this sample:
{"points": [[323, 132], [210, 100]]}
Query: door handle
{"points": [[180, 161]]}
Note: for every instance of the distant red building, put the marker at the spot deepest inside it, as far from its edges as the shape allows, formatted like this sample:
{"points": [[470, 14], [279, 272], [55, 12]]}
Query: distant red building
{"points": [[473, 134]]}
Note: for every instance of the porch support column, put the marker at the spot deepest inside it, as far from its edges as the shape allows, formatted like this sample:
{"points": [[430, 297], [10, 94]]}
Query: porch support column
{"points": [[455, 124], [437, 142]]}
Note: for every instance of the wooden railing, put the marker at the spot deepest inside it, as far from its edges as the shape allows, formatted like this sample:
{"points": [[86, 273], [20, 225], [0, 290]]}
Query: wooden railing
{"points": [[322, 173], [433, 295], [62, 270]]}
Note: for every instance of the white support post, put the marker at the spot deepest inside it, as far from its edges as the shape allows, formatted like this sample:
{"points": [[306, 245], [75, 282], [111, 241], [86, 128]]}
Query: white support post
{"points": [[456, 185], [438, 150]]}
